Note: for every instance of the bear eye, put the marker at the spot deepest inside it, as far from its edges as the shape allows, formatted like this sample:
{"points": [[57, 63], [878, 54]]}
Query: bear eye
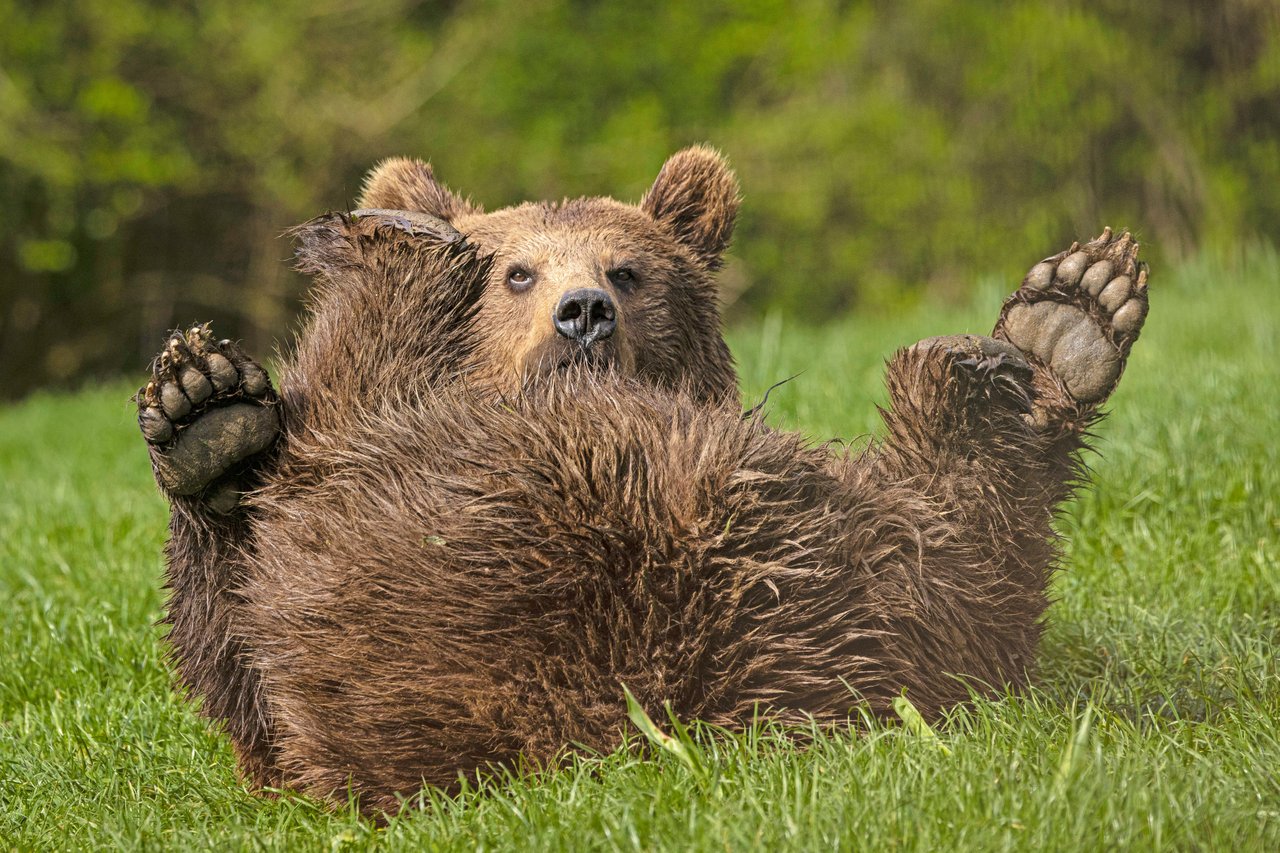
{"points": [[519, 279], [622, 277]]}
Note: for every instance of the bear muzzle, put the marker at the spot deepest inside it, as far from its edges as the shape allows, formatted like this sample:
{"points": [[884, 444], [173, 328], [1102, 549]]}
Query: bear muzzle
{"points": [[585, 315]]}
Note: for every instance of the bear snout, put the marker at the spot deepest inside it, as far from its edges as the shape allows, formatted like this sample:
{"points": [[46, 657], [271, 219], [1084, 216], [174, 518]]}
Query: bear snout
{"points": [[585, 315]]}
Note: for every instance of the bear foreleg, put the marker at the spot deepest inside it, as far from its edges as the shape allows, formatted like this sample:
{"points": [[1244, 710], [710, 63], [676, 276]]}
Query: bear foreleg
{"points": [[211, 420]]}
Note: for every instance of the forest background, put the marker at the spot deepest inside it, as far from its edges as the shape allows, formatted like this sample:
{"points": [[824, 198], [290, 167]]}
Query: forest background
{"points": [[153, 153]]}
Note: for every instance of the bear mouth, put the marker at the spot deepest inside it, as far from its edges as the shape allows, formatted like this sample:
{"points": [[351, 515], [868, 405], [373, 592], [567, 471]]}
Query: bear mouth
{"points": [[598, 356], [558, 359]]}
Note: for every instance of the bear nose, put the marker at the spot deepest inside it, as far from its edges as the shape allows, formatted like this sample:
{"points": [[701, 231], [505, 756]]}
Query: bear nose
{"points": [[585, 315]]}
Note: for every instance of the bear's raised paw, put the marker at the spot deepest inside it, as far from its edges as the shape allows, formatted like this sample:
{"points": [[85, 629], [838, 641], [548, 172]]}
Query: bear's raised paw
{"points": [[1079, 313], [207, 408]]}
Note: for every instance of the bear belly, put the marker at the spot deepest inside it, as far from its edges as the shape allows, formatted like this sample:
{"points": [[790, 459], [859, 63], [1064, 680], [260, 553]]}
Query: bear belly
{"points": [[458, 583]]}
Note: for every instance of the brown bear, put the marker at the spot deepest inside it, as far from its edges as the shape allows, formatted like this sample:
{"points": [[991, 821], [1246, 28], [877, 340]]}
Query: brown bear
{"points": [[507, 473]]}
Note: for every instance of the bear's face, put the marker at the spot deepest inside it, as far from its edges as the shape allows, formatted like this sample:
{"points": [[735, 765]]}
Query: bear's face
{"points": [[594, 281]]}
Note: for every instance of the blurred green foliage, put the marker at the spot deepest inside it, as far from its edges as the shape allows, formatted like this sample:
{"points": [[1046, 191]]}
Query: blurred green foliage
{"points": [[151, 152]]}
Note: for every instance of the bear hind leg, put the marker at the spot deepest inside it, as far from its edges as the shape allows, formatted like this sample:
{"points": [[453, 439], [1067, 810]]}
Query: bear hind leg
{"points": [[959, 397]]}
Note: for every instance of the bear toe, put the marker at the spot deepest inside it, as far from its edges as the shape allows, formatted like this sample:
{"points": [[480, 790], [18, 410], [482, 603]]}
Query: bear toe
{"points": [[1129, 317]]}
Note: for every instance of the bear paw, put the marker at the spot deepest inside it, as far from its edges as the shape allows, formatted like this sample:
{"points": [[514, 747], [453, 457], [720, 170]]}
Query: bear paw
{"points": [[207, 408], [1079, 313]]}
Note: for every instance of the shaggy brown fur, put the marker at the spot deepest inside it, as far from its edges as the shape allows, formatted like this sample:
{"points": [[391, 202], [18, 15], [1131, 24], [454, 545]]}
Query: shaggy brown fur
{"points": [[455, 557]]}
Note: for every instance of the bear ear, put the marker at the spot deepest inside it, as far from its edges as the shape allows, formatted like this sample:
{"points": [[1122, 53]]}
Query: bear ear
{"points": [[404, 184], [696, 196]]}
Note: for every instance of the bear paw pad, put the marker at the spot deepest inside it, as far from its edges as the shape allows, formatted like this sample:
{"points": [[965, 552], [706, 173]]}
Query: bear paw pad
{"points": [[1079, 313], [207, 408]]}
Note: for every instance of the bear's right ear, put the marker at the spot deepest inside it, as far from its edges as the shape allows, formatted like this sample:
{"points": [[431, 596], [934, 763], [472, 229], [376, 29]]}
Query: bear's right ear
{"points": [[404, 184], [696, 196]]}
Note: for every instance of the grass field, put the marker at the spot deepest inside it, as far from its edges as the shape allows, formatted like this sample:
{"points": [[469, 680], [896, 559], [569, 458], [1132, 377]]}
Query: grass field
{"points": [[1156, 723]]}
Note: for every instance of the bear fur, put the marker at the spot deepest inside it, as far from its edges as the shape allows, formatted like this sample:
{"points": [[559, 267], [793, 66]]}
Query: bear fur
{"points": [[469, 535]]}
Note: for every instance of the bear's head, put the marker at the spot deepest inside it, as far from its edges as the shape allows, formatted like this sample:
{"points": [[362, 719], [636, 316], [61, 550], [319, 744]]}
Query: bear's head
{"points": [[594, 282]]}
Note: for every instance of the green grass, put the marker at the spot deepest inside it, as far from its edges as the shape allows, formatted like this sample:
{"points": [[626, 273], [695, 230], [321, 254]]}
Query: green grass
{"points": [[1156, 723]]}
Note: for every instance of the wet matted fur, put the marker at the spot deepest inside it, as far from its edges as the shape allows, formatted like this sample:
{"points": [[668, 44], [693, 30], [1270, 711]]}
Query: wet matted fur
{"points": [[434, 570]]}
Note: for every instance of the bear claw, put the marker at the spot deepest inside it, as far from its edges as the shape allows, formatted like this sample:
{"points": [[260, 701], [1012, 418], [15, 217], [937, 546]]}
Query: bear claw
{"points": [[1079, 313], [206, 408]]}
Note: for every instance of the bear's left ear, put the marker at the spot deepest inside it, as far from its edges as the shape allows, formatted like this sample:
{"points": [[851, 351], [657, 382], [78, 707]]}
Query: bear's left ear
{"points": [[696, 196], [404, 184]]}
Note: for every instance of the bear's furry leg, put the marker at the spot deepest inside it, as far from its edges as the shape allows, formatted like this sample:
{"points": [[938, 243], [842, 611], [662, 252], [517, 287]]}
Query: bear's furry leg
{"points": [[382, 325], [211, 420], [966, 489], [983, 447], [968, 409], [206, 550], [1014, 409]]}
